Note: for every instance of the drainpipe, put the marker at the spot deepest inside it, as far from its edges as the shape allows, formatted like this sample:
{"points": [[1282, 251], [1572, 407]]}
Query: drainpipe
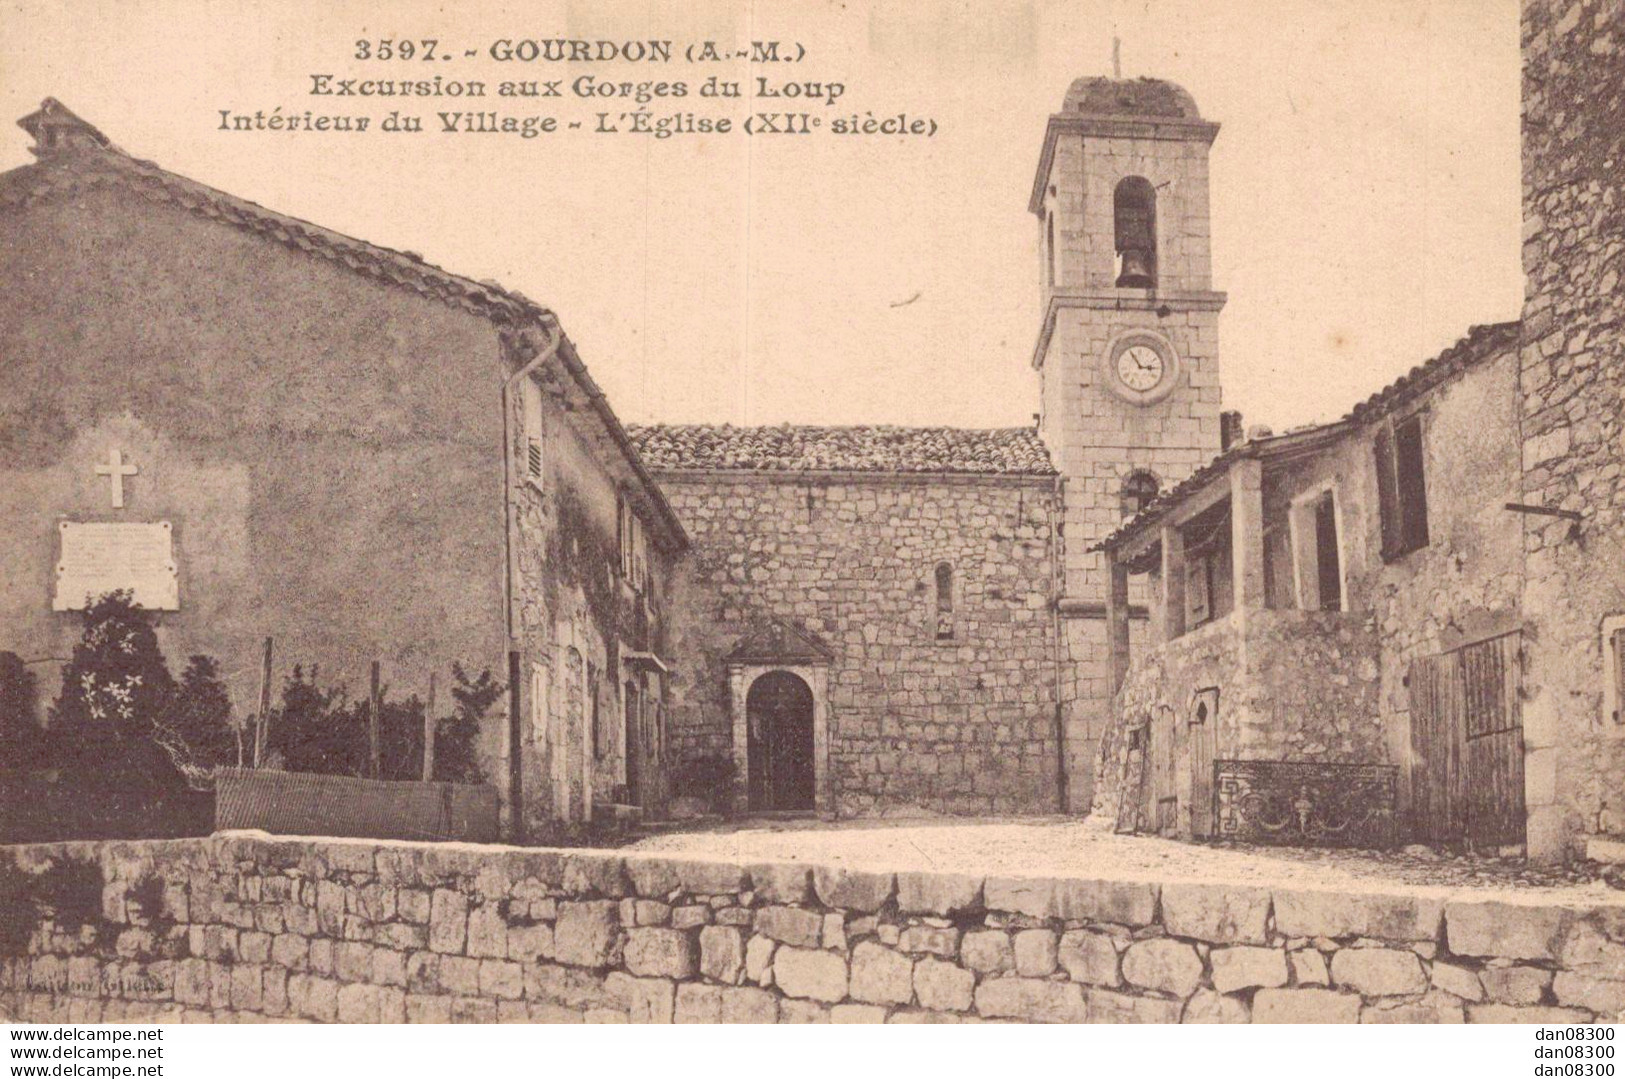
{"points": [[1058, 590], [516, 789]]}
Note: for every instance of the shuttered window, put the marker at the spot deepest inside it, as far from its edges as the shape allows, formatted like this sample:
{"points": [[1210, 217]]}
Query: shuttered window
{"points": [[1402, 487], [531, 401]]}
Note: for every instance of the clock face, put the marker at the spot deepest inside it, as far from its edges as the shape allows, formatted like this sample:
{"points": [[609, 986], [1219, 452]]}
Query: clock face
{"points": [[1140, 367]]}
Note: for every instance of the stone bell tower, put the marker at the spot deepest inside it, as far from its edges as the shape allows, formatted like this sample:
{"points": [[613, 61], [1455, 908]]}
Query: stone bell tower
{"points": [[1128, 352]]}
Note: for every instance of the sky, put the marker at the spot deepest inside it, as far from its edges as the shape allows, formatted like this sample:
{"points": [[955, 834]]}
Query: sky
{"points": [[1365, 182]]}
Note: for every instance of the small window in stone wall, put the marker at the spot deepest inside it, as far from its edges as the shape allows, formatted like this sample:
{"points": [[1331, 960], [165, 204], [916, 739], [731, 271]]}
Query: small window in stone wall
{"points": [[1613, 664], [1402, 499], [945, 602], [1139, 490]]}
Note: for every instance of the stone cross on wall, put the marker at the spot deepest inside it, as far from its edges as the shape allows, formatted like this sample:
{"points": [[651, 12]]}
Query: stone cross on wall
{"points": [[115, 470]]}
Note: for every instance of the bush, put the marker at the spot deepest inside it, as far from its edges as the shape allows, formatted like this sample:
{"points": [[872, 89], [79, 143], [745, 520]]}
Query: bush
{"points": [[456, 743], [19, 724], [114, 765], [69, 890], [709, 780]]}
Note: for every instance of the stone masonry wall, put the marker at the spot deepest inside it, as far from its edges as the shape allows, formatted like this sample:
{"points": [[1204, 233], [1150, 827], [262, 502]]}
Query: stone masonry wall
{"points": [[250, 928], [957, 726], [1573, 413]]}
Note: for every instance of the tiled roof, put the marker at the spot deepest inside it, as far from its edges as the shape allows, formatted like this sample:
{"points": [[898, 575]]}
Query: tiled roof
{"points": [[1014, 451], [1481, 343]]}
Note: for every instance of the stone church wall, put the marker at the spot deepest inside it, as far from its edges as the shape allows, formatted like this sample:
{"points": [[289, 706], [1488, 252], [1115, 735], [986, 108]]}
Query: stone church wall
{"points": [[325, 446], [254, 929], [1573, 413], [955, 726]]}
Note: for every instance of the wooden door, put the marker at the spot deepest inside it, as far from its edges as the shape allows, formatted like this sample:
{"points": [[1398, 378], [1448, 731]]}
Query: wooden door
{"points": [[1491, 678], [1467, 745], [779, 747], [1200, 733]]}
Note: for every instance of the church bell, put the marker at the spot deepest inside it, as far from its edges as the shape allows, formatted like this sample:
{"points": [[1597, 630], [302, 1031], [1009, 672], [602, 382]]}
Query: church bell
{"points": [[1136, 270]]}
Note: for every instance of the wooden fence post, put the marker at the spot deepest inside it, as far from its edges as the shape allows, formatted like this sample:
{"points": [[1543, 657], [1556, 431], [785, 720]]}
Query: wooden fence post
{"points": [[265, 706], [372, 722], [429, 726]]}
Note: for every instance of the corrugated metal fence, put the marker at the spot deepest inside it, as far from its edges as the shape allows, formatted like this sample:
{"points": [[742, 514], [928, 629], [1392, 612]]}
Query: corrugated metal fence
{"points": [[303, 803]]}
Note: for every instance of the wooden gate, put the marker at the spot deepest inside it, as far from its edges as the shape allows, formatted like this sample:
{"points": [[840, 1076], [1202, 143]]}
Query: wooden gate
{"points": [[1200, 732], [1467, 745]]}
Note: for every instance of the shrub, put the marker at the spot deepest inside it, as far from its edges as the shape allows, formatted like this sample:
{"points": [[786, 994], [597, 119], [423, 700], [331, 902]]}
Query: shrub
{"points": [[19, 725], [18, 917], [456, 745], [709, 780], [117, 767]]}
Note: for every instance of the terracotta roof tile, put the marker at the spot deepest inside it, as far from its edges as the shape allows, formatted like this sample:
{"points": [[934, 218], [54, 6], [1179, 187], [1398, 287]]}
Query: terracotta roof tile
{"points": [[1006, 451]]}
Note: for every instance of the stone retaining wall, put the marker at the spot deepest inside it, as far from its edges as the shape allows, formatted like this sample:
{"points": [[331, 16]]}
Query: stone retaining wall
{"points": [[253, 928]]}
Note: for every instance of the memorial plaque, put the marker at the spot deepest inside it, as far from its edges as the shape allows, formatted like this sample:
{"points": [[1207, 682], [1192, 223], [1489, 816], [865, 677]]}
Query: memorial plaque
{"points": [[104, 556]]}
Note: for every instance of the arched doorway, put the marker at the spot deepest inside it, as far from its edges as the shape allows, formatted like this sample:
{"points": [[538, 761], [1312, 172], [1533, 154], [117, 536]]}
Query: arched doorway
{"points": [[779, 721]]}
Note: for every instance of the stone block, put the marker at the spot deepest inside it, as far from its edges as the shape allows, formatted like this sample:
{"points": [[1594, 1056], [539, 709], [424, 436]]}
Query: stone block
{"points": [[530, 943], [698, 1003], [690, 917], [1032, 896], [388, 967], [1434, 1007], [358, 1004], [852, 889], [1458, 981], [938, 893], [645, 1000], [1032, 1000], [1510, 930], [929, 940], [710, 877], [922, 1017], [1110, 1006], [569, 986], [1207, 1006], [791, 925], [654, 952], [722, 954], [780, 882], [835, 931], [802, 1011], [857, 1013], [1515, 984], [1035, 953], [353, 961], [1585, 947], [460, 975], [584, 935], [1305, 1006], [987, 951], [1604, 996], [290, 951], [1163, 964], [1216, 913], [448, 921], [880, 975], [1089, 957], [652, 877], [501, 979], [1309, 967], [1379, 972], [423, 972], [810, 974], [943, 986], [1507, 1013], [487, 932], [599, 874], [1128, 903], [759, 959], [747, 1005], [1357, 914], [1246, 966]]}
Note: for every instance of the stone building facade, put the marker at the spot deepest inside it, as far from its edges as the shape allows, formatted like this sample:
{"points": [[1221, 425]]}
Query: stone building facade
{"points": [[346, 449], [905, 576], [1317, 597], [1571, 405]]}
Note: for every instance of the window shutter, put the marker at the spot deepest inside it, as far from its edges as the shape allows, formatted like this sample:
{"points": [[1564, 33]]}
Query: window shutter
{"points": [[1387, 492], [533, 461], [1618, 645], [531, 402], [1412, 483]]}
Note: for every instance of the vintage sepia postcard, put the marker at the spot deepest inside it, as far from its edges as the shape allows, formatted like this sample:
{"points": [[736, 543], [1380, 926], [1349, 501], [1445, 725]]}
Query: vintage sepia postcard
{"points": [[765, 512]]}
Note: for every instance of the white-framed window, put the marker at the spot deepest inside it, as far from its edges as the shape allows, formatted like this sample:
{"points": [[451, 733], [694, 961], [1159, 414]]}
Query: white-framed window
{"points": [[539, 684], [1613, 668], [1319, 561], [530, 400]]}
